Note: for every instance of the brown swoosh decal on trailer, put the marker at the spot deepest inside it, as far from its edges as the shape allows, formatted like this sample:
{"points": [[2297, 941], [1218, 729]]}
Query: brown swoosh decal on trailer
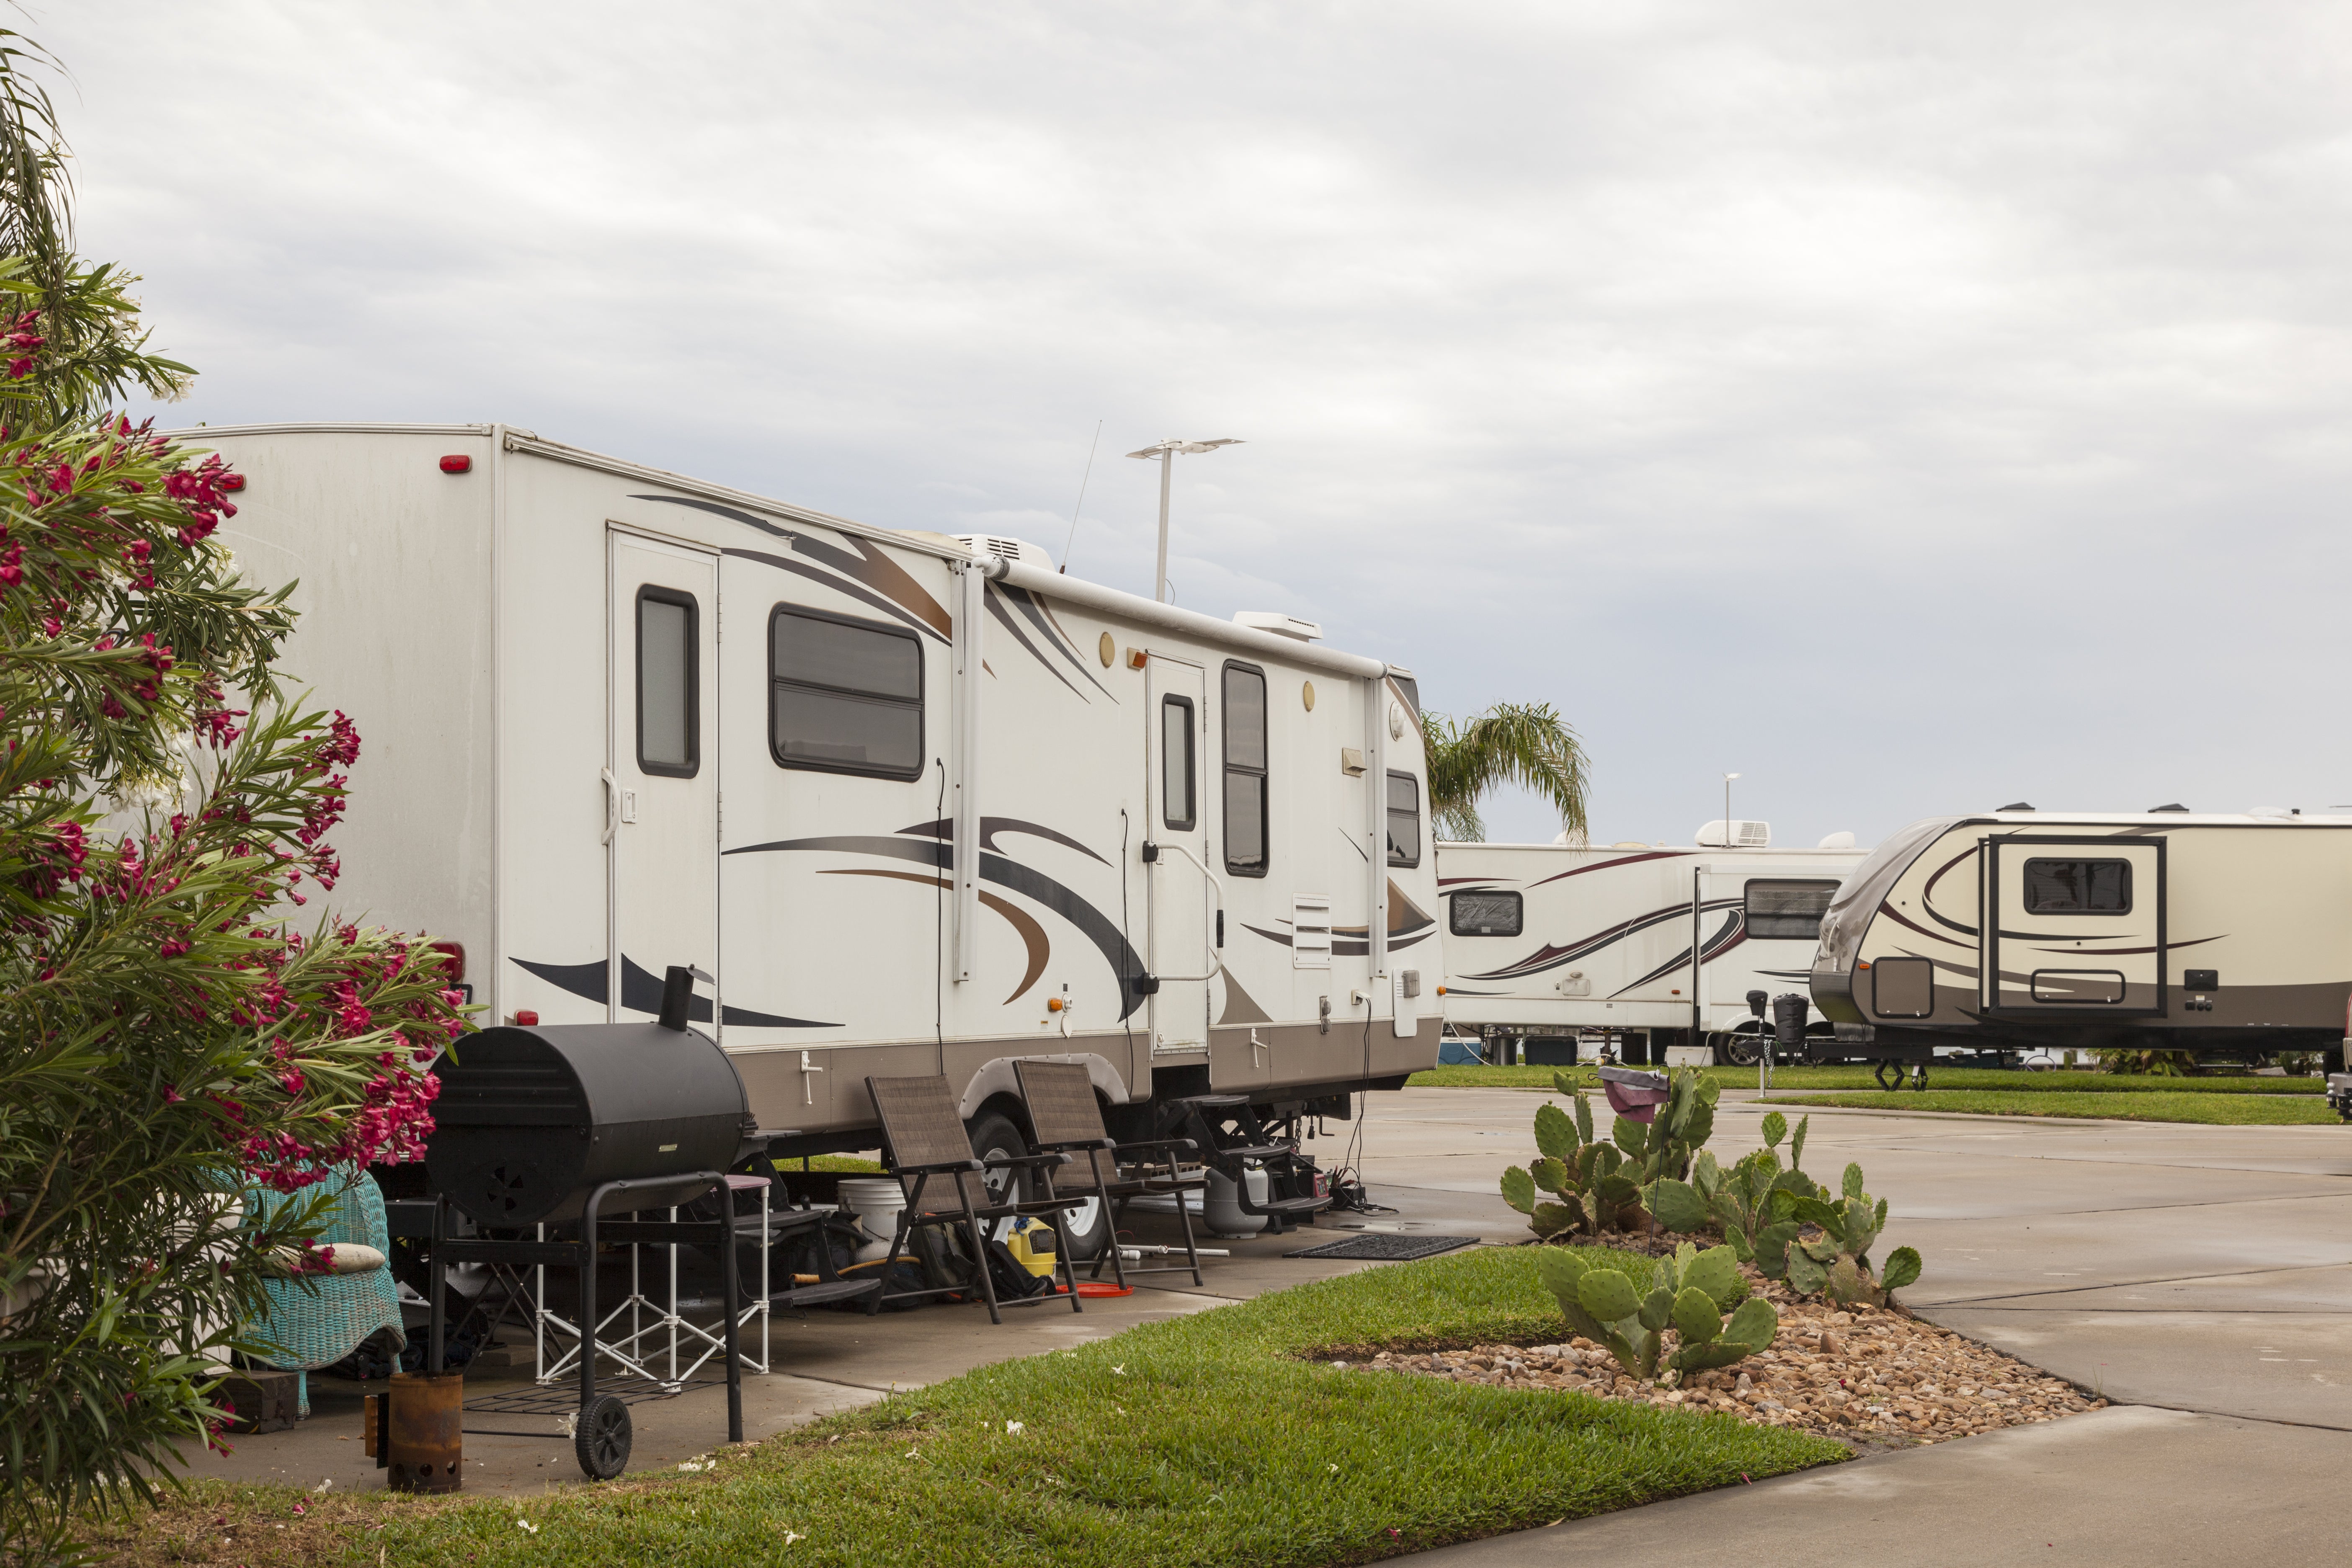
{"points": [[890, 587], [1550, 957], [2121, 952], [1241, 1008], [641, 991], [1003, 617], [1033, 935], [1620, 860], [1899, 918], [1031, 606], [863, 597]]}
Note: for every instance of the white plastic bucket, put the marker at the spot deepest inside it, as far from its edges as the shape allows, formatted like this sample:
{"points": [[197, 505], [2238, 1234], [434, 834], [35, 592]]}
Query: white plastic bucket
{"points": [[876, 1200], [1223, 1209]]}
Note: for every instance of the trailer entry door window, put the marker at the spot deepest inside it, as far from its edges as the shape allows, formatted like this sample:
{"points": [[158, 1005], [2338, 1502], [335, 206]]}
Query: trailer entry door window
{"points": [[1405, 820], [846, 695], [667, 704], [2078, 888], [1244, 691], [1775, 910], [1486, 914], [1176, 807]]}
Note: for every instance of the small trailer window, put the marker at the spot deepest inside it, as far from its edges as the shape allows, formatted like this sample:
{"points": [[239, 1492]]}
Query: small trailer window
{"points": [[668, 738], [1779, 911], [1405, 820], [1244, 690], [847, 696], [1176, 807], [2078, 888], [1486, 914]]}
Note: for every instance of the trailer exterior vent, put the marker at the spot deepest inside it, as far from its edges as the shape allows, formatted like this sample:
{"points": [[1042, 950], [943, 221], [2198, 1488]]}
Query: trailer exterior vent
{"points": [[2016, 805], [1019, 549], [1742, 834], [2176, 806]]}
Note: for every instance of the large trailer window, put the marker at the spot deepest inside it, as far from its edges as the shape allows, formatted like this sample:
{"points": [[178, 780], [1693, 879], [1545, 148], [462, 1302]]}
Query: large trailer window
{"points": [[845, 695], [2078, 888], [1486, 914], [1784, 910], [1405, 820], [1176, 808], [669, 705], [1244, 691]]}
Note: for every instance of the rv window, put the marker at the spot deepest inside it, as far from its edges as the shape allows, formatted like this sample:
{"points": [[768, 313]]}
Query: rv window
{"points": [[847, 696], [1176, 811], [1244, 690], [2078, 888], [1787, 910], [1486, 914], [1405, 820], [667, 738]]}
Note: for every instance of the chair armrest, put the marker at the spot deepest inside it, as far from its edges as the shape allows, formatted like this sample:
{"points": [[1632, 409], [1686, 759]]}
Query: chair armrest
{"points": [[999, 1162], [1158, 1143], [943, 1168], [1106, 1144]]}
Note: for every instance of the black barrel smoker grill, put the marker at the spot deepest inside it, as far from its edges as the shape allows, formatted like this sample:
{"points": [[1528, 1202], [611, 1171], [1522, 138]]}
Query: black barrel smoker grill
{"points": [[555, 1125]]}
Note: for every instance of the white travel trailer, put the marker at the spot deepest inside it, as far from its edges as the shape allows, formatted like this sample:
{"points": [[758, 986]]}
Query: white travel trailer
{"points": [[2162, 929], [916, 804], [1660, 945]]}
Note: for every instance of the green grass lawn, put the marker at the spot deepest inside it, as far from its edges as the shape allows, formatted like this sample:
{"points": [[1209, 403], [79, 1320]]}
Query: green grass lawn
{"points": [[2223, 1109], [2008, 1080], [1203, 1441]]}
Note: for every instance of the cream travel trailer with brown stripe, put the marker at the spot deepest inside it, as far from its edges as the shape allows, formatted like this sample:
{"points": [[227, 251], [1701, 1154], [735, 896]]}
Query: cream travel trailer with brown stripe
{"points": [[2040, 930], [914, 803]]}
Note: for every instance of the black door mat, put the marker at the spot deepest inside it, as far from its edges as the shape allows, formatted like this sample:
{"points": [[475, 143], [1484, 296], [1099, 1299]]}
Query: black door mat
{"points": [[1387, 1246]]}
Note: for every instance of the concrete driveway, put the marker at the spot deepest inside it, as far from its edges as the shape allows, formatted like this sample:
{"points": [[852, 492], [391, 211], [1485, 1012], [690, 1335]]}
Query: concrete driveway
{"points": [[2200, 1276]]}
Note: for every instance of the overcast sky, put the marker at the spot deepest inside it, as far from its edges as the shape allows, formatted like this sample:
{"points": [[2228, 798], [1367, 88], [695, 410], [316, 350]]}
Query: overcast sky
{"points": [[1913, 411]]}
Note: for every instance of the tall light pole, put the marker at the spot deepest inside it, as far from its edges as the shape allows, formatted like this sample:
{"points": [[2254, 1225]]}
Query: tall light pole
{"points": [[1728, 835], [1165, 451]]}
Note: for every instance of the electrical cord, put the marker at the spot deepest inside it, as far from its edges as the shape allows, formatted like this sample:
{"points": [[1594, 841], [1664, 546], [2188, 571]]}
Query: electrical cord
{"points": [[939, 925]]}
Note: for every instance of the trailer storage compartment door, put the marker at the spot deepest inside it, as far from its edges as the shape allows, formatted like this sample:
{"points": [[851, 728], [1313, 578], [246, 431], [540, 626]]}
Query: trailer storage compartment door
{"points": [[2075, 926]]}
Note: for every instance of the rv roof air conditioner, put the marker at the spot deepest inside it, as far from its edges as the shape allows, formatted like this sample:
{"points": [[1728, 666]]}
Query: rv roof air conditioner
{"points": [[1743, 835], [1836, 841], [2015, 805], [1010, 549], [1280, 625], [2176, 806]]}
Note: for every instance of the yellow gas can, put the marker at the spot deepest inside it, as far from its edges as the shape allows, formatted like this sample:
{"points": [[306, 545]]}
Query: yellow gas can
{"points": [[1031, 1241]]}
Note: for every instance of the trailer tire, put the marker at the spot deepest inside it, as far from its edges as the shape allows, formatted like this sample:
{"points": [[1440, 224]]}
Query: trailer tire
{"points": [[1085, 1231], [1735, 1049]]}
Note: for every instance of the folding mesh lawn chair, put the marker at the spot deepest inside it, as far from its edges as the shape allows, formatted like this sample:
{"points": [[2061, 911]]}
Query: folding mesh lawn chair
{"points": [[1068, 1120], [924, 1136]]}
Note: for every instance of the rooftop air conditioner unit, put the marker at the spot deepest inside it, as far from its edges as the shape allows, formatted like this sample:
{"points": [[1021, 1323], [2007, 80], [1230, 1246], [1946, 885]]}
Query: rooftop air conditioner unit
{"points": [[1019, 549], [1743, 835]]}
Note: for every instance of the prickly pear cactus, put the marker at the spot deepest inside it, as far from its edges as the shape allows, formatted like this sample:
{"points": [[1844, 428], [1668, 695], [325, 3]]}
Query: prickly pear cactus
{"points": [[1604, 1302], [1837, 1264], [1577, 1183]]}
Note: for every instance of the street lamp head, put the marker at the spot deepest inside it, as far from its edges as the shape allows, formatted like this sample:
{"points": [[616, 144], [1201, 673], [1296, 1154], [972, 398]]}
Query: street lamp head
{"points": [[1163, 448], [1729, 777]]}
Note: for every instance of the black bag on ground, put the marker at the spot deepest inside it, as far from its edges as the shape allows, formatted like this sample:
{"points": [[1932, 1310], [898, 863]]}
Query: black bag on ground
{"points": [[1013, 1282]]}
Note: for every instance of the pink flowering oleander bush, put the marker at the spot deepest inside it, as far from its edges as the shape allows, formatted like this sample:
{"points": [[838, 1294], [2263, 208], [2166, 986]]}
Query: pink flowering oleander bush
{"points": [[180, 1027]]}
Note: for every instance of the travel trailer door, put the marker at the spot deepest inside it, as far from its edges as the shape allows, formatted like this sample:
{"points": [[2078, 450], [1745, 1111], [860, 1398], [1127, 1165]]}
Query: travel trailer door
{"points": [[661, 821], [1183, 897], [2076, 926]]}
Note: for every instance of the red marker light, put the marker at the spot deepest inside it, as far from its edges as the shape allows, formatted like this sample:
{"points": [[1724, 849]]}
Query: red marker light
{"points": [[457, 463], [232, 482], [526, 1019], [456, 953]]}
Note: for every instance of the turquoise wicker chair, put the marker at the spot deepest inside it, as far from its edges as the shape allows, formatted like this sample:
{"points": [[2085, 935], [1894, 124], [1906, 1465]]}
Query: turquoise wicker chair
{"points": [[318, 1322]]}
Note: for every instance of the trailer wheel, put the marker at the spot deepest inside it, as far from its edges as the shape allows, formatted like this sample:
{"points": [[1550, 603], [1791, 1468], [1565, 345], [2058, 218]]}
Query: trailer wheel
{"points": [[1084, 1230], [601, 1440], [1736, 1049]]}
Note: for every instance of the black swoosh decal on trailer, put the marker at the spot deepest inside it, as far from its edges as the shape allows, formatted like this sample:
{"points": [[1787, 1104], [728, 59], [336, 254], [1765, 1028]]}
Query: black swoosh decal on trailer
{"points": [[869, 565], [1096, 928], [1029, 606], [897, 611], [641, 991], [990, 827], [1731, 935], [1621, 860], [1003, 617], [1550, 957]]}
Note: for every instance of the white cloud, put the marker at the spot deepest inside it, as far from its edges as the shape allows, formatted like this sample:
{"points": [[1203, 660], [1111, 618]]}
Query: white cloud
{"points": [[1912, 410]]}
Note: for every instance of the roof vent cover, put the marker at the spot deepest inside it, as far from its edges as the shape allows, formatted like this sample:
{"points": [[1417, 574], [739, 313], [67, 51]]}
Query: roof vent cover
{"points": [[1280, 625], [1742, 834]]}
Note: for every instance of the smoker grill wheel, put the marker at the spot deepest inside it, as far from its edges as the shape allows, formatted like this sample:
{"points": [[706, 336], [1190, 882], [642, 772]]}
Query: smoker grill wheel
{"points": [[1387, 1247]]}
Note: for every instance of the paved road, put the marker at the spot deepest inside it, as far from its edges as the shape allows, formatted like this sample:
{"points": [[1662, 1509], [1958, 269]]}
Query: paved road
{"points": [[2203, 1275]]}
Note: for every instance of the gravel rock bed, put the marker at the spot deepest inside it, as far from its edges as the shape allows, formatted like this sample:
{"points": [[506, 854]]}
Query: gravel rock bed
{"points": [[1869, 1375]]}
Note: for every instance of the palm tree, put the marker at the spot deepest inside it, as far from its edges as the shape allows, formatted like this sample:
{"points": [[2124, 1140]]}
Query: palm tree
{"points": [[1511, 742]]}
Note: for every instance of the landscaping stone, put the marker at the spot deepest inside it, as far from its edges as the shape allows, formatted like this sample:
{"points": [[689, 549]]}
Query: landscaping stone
{"points": [[1873, 1375]]}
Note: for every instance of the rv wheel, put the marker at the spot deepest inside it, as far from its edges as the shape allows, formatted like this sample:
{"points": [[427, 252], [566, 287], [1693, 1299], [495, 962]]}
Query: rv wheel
{"points": [[1737, 1050]]}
